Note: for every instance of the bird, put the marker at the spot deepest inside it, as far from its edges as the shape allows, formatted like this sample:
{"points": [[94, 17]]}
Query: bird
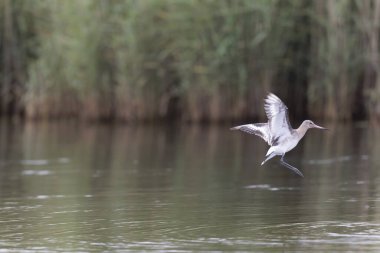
{"points": [[278, 132]]}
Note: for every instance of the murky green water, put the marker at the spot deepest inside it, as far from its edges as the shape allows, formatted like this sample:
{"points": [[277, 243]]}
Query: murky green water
{"points": [[67, 187]]}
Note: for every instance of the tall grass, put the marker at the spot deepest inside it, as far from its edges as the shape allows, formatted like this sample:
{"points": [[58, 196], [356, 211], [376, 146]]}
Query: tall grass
{"points": [[192, 60], [17, 49]]}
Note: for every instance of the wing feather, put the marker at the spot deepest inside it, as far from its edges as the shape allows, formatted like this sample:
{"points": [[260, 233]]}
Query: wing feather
{"points": [[259, 129], [278, 119]]}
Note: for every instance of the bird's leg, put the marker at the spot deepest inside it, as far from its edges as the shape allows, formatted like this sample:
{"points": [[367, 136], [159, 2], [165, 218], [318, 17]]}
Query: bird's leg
{"points": [[287, 165]]}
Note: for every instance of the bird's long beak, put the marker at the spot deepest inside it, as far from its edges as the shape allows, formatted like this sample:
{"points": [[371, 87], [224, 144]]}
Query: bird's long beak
{"points": [[319, 127]]}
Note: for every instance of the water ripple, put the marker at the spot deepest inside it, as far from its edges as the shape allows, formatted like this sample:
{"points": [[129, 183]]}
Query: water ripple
{"points": [[269, 188], [330, 160], [36, 172]]}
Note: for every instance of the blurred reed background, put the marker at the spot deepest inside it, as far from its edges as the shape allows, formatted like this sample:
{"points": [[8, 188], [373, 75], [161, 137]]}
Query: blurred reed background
{"points": [[189, 60]]}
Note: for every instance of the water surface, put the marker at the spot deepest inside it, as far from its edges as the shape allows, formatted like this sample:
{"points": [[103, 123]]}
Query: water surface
{"points": [[73, 187]]}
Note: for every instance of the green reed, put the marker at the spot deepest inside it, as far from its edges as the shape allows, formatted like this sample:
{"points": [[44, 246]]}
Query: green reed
{"points": [[193, 60]]}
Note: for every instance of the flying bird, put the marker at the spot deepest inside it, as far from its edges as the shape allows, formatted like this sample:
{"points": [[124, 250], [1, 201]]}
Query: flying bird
{"points": [[278, 132]]}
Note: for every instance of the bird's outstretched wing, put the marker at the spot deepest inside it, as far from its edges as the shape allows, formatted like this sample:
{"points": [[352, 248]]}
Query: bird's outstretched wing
{"points": [[278, 120], [259, 129]]}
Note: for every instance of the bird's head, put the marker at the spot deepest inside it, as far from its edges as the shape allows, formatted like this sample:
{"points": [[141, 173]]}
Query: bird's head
{"points": [[310, 124]]}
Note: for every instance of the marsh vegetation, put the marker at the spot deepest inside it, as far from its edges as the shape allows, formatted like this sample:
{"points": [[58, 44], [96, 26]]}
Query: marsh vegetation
{"points": [[189, 60]]}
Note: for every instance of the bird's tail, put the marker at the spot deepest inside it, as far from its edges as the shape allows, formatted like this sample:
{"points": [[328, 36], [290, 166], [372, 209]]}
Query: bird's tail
{"points": [[269, 156]]}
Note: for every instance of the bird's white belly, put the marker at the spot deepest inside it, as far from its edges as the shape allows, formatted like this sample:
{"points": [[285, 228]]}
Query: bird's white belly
{"points": [[284, 146], [289, 145]]}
